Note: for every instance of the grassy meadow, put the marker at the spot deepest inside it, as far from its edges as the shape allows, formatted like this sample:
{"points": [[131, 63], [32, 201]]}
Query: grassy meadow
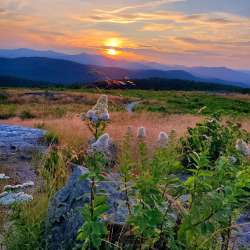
{"points": [[140, 161], [59, 110]]}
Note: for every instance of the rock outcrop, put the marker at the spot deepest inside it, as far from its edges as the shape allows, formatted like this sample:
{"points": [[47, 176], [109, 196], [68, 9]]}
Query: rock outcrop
{"points": [[19, 142], [64, 213]]}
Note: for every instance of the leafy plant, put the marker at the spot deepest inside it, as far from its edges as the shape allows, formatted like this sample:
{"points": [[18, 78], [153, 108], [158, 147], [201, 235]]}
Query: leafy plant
{"points": [[51, 138], [94, 229], [212, 138], [151, 218], [27, 226]]}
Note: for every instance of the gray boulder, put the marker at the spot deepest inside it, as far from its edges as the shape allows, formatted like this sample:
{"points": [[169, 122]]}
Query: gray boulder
{"points": [[64, 213]]}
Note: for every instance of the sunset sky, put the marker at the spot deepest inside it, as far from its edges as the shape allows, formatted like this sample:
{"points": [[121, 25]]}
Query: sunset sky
{"points": [[183, 32]]}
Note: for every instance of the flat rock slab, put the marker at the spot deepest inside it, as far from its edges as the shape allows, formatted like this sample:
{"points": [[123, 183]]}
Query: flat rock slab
{"points": [[18, 141], [17, 144]]}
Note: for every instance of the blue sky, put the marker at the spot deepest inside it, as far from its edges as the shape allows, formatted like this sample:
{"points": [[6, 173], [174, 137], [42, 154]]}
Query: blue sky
{"points": [[186, 32]]}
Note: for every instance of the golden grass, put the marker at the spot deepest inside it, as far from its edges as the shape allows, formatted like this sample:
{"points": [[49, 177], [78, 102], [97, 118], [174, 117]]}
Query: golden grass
{"points": [[72, 130], [53, 104]]}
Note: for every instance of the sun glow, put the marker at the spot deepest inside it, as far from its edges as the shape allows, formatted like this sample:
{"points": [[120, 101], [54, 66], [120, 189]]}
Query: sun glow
{"points": [[112, 52], [113, 42]]}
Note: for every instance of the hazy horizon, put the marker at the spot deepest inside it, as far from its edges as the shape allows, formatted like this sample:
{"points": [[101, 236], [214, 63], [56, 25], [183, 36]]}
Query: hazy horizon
{"points": [[172, 32]]}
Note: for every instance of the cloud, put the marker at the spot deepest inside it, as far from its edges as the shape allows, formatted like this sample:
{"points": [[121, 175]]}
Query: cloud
{"points": [[151, 4], [156, 27], [148, 28]]}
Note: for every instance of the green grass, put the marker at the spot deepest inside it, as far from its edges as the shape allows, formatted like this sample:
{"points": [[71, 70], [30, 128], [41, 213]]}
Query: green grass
{"points": [[165, 102], [174, 102]]}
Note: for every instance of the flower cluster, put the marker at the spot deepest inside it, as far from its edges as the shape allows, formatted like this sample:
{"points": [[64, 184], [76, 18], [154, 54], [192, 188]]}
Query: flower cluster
{"points": [[102, 143], [141, 133], [163, 138], [100, 111], [243, 147]]}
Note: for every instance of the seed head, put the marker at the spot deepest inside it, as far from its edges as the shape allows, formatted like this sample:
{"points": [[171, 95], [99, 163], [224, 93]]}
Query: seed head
{"points": [[102, 143], [243, 147], [141, 133], [100, 111], [163, 138]]}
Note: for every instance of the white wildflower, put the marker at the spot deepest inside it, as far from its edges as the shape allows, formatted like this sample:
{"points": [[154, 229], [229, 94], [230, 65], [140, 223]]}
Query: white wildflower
{"points": [[101, 105], [4, 177], [243, 147], [163, 138], [141, 133], [100, 111], [102, 143], [91, 115], [104, 116]]}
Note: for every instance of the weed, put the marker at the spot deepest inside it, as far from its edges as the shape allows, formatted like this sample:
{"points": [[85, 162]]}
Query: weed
{"points": [[27, 228]]}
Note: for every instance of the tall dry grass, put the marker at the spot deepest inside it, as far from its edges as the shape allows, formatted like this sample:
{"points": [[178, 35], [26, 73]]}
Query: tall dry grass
{"points": [[72, 131]]}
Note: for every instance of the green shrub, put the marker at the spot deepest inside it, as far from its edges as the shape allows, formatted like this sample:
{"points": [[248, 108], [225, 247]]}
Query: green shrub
{"points": [[25, 114], [213, 138], [51, 138]]}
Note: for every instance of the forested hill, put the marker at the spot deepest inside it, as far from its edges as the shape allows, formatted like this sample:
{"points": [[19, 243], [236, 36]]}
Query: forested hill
{"points": [[169, 84]]}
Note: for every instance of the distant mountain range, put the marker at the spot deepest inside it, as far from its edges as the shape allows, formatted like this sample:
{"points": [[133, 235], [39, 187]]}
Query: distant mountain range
{"points": [[68, 72], [51, 66]]}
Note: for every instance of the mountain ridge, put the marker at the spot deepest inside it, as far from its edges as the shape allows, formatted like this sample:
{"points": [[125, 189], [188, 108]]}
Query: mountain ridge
{"points": [[218, 74], [69, 72]]}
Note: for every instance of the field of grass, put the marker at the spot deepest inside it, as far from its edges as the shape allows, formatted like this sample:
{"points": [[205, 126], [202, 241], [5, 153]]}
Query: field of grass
{"points": [[59, 111], [179, 102], [168, 111], [56, 104]]}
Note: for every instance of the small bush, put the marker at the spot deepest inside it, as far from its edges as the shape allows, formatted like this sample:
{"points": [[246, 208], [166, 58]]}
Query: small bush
{"points": [[212, 137], [26, 115], [51, 138]]}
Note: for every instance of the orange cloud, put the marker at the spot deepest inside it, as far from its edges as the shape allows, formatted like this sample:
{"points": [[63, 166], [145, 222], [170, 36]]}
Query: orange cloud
{"points": [[144, 29]]}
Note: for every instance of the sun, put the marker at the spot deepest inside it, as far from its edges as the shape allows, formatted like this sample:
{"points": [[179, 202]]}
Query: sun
{"points": [[112, 52], [113, 42], [112, 46]]}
